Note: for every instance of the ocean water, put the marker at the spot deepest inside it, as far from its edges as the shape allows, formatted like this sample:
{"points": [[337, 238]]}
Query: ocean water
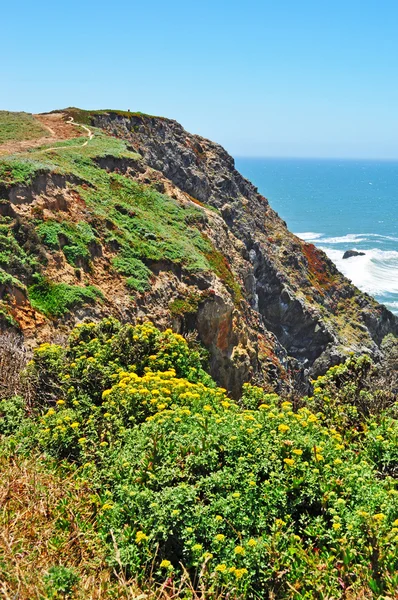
{"points": [[339, 205]]}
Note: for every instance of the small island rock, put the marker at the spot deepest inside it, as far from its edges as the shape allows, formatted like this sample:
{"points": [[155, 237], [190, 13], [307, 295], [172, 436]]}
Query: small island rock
{"points": [[349, 253]]}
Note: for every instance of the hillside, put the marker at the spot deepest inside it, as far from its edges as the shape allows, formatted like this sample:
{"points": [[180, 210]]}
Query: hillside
{"points": [[139, 273], [149, 221]]}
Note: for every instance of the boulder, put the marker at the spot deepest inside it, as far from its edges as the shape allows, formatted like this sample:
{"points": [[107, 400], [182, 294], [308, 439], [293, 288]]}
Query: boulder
{"points": [[349, 253]]}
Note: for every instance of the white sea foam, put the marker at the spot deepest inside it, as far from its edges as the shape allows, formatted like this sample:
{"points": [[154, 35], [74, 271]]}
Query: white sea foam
{"points": [[375, 273], [349, 238], [309, 236], [393, 306]]}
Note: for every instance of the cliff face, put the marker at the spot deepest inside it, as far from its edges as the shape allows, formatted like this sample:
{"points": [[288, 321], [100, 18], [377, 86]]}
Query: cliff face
{"points": [[152, 209], [316, 314]]}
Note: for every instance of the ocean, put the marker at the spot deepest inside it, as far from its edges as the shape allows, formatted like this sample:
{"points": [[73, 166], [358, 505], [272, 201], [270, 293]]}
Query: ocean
{"points": [[339, 205]]}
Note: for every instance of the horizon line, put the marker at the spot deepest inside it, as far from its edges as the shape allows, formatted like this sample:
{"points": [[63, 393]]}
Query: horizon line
{"points": [[346, 158]]}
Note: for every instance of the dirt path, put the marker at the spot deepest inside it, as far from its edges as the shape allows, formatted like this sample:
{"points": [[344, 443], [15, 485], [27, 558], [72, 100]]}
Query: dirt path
{"points": [[71, 121], [59, 130]]}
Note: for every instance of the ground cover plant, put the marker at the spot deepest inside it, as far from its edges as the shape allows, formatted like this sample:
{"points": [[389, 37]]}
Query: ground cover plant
{"points": [[19, 126], [190, 490]]}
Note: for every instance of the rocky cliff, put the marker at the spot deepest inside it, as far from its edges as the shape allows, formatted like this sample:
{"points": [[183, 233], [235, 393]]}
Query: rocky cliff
{"points": [[157, 223]]}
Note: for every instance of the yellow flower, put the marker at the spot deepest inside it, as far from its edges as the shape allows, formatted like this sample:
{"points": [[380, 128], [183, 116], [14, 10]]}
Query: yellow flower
{"points": [[165, 564], [236, 495], [318, 457], [221, 568], [239, 550], [280, 522], [336, 526], [252, 482], [338, 461], [218, 518], [197, 547], [395, 524], [82, 440], [283, 428], [103, 444], [289, 461], [220, 537], [140, 537], [240, 572], [60, 402], [297, 451], [75, 425], [379, 517], [252, 543], [207, 408]]}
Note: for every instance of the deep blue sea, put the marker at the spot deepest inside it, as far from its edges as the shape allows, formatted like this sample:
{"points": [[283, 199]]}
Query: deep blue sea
{"points": [[339, 205]]}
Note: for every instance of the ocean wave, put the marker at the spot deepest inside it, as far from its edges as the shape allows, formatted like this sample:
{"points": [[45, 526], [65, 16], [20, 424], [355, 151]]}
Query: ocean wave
{"points": [[393, 306], [309, 236], [376, 272], [349, 238]]}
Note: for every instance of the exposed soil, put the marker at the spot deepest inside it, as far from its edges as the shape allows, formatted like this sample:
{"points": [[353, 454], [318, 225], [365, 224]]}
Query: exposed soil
{"points": [[58, 127]]}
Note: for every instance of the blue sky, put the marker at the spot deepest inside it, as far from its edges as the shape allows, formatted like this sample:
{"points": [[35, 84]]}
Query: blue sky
{"points": [[287, 78]]}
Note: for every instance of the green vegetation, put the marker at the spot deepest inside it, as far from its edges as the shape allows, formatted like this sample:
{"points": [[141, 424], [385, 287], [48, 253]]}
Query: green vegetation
{"points": [[74, 239], [136, 223], [14, 170], [85, 116], [187, 488], [57, 299], [16, 126], [14, 259], [220, 266], [189, 304]]}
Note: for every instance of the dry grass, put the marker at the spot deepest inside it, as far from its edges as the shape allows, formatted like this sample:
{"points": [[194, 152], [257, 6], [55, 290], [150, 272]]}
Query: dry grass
{"points": [[48, 519], [13, 358]]}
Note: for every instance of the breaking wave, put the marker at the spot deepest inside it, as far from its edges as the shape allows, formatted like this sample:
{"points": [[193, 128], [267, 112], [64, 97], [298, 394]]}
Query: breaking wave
{"points": [[375, 273]]}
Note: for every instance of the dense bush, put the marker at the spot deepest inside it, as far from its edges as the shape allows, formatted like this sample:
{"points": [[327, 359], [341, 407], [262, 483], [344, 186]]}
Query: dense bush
{"points": [[251, 499]]}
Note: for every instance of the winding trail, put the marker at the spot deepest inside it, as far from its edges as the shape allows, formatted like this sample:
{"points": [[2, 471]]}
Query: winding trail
{"points": [[57, 130], [71, 121]]}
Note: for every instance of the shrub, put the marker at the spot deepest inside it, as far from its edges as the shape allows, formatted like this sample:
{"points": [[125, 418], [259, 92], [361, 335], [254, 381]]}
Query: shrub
{"points": [[57, 299], [254, 499], [60, 581], [12, 412]]}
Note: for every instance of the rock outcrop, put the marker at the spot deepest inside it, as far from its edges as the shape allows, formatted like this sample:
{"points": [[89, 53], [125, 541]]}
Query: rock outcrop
{"points": [[316, 314], [351, 253]]}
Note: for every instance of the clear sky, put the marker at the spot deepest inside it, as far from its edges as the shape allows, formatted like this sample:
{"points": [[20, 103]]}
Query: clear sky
{"points": [[263, 78]]}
